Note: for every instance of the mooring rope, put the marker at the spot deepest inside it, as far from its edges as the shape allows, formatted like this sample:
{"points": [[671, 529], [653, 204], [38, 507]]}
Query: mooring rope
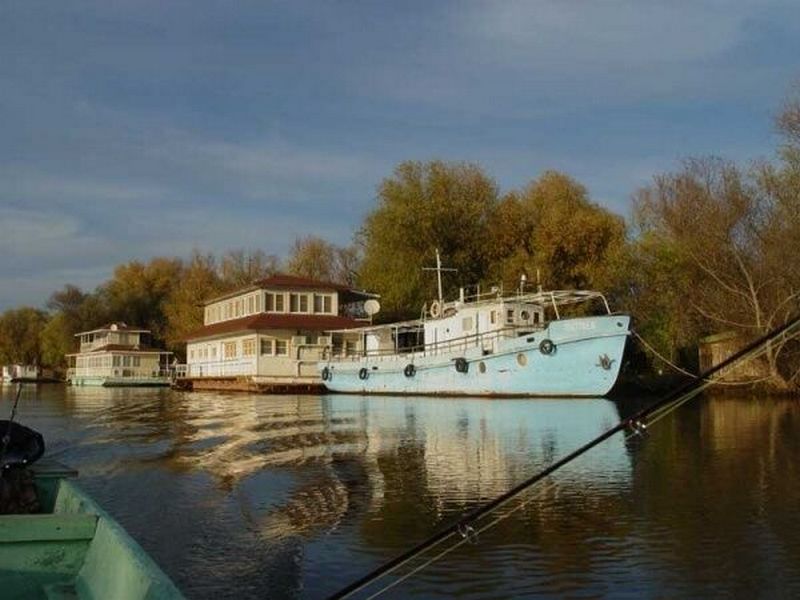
{"points": [[671, 364], [635, 425]]}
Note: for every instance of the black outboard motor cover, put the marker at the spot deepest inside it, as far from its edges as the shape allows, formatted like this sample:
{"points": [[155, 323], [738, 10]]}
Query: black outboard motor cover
{"points": [[24, 447]]}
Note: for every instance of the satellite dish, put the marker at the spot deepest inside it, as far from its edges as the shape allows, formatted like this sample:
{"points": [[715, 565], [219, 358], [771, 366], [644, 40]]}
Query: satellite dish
{"points": [[372, 307]]}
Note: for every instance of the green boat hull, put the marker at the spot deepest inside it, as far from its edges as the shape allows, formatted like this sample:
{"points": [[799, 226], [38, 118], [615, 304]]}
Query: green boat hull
{"points": [[74, 549]]}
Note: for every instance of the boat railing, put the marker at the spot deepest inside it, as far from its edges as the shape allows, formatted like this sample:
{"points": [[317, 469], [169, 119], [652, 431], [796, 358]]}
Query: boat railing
{"points": [[117, 372], [484, 340]]}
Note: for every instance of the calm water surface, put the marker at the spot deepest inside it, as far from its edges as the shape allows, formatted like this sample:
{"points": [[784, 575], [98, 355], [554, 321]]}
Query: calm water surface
{"points": [[239, 496]]}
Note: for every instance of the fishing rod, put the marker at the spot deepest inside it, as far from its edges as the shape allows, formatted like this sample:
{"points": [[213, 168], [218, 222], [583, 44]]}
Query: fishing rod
{"points": [[6, 440], [635, 423]]}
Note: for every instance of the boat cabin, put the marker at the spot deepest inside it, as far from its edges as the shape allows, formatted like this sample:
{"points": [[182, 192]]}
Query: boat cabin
{"points": [[481, 318]]}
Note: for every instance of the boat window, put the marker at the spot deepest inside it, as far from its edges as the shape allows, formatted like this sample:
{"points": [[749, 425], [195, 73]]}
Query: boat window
{"points": [[349, 347], [281, 348], [510, 315], [493, 317]]}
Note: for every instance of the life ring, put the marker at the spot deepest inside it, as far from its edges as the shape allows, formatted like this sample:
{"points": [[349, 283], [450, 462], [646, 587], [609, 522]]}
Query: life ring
{"points": [[410, 370], [436, 309], [462, 366], [326, 374], [546, 346], [363, 373]]}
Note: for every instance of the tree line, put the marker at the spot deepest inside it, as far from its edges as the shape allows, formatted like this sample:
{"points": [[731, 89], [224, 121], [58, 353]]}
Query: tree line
{"points": [[707, 248]]}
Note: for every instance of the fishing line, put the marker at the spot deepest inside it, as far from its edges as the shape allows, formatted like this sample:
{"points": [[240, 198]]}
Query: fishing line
{"points": [[7, 436], [636, 426]]}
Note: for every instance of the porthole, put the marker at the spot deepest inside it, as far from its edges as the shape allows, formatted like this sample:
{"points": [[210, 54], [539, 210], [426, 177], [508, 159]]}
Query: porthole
{"points": [[522, 359], [525, 315]]}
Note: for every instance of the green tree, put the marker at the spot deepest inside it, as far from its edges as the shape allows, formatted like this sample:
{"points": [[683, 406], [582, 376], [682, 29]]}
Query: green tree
{"points": [[422, 207]]}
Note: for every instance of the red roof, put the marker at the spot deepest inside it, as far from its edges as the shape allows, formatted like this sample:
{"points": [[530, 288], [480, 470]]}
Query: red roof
{"points": [[267, 321]]}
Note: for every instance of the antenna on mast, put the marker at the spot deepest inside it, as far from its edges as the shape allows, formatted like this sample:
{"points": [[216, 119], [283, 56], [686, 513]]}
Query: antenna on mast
{"points": [[439, 268]]}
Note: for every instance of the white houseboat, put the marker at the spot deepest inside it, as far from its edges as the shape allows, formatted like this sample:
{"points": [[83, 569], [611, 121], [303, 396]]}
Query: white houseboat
{"points": [[270, 335], [525, 344], [117, 355]]}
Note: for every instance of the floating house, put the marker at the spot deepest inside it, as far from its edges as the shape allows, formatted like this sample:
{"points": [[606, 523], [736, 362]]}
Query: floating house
{"points": [[19, 373], [118, 355], [270, 335]]}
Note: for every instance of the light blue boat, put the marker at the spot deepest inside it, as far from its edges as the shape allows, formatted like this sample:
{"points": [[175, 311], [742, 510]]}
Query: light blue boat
{"points": [[547, 343]]}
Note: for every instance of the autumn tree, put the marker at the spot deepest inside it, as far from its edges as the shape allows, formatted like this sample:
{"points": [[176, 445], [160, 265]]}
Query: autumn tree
{"points": [[552, 228], [421, 207], [137, 292], [729, 233], [199, 280], [20, 334], [240, 268], [316, 258]]}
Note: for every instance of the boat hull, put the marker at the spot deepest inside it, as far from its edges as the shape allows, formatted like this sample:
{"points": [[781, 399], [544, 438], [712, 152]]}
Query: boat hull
{"points": [[584, 360], [74, 549], [120, 381]]}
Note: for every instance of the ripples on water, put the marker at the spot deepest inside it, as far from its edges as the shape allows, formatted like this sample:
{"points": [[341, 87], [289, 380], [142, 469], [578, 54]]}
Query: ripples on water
{"points": [[239, 496]]}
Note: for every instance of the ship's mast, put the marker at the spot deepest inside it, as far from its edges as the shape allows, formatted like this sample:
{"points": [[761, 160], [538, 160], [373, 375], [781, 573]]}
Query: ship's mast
{"points": [[439, 268]]}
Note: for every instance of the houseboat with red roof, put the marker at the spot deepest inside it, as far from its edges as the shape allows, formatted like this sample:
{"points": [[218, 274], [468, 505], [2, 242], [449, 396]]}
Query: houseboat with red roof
{"points": [[271, 335], [118, 355]]}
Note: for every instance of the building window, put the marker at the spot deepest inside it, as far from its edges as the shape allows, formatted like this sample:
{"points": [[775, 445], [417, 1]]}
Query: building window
{"points": [[249, 347], [258, 302], [229, 350], [294, 302], [322, 304], [251, 305], [136, 361], [116, 360], [266, 347], [213, 352], [281, 348], [493, 317], [269, 300], [274, 302], [303, 303]]}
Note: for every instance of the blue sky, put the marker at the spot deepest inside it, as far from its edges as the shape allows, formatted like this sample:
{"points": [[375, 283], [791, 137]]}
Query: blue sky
{"points": [[130, 129]]}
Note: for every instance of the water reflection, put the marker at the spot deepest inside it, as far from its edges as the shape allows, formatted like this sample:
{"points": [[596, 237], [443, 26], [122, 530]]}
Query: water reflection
{"points": [[237, 495]]}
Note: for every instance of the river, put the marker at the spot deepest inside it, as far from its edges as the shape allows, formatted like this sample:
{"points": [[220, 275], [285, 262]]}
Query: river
{"points": [[253, 496]]}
